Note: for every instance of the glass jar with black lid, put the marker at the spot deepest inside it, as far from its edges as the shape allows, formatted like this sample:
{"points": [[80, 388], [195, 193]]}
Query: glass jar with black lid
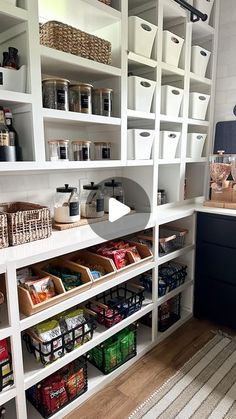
{"points": [[55, 94], [113, 189], [92, 201], [66, 205]]}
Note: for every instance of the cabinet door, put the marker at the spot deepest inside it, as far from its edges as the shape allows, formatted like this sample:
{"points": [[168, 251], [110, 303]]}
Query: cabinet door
{"points": [[216, 229]]}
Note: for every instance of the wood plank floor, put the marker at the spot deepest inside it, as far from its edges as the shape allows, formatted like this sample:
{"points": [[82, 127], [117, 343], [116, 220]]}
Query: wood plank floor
{"points": [[124, 394]]}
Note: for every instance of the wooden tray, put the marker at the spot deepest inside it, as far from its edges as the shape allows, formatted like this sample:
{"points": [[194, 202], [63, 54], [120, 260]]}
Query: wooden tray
{"points": [[93, 258], [220, 204], [82, 222]]}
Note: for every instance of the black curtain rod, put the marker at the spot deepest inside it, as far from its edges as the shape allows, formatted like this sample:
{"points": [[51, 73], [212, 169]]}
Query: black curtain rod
{"points": [[196, 15]]}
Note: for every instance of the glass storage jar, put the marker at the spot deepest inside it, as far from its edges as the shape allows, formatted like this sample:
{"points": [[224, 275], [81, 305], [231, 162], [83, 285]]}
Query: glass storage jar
{"points": [[81, 150], [102, 150], [58, 150], [102, 101], [67, 206], [55, 94], [220, 169], [80, 97], [92, 201], [113, 189], [161, 197]]}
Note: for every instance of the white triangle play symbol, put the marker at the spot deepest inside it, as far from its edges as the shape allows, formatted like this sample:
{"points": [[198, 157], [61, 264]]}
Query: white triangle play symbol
{"points": [[117, 210]]}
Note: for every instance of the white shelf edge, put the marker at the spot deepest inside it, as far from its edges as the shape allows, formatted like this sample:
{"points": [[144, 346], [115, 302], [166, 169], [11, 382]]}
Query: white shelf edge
{"points": [[6, 332], [171, 119], [175, 292], [3, 268], [115, 14], [164, 161], [10, 10], [28, 322], [55, 115], [7, 395], [31, 379], [140, 59], [76, 61], [198, 122], [15, 97], [172, 69], [199, 79], [199, 160], [175, 254], [140, 115], [131, 163], [175, 213]]}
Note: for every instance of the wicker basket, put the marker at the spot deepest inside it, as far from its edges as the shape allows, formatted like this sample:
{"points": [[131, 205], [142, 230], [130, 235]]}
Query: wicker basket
{"points": [[27, 222], [3, 231], [107, 2], [66, 38]]}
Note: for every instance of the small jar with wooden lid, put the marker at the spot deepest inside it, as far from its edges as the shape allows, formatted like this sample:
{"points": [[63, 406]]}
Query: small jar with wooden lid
{"points": [[55, 94], [102, 101], [80, 98], [58, 150], [102, 150], [81, 150]]}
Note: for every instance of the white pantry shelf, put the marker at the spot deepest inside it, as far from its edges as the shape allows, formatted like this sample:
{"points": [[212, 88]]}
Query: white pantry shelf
{"points": [[136, 61], [120, 278], [167, 215], [170, 70], [171, 119], [5, 329], [175, 254], [7, 394], [139, 115], [198, 160], [35, 372], [175, 292], [201, 80], [202, 31], [198, 122], [14, 98], [136, 163], [87, 15], [172, 161], [72, 67], [11, 15], [49, 166], [73, 118], [97, 380]]}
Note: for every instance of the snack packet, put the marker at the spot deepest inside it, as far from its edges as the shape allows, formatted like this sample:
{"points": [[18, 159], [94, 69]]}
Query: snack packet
{"points": [[49, 332]]}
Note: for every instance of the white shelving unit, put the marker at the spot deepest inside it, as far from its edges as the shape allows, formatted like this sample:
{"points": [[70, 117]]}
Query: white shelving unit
{"points": [[35, 125]]}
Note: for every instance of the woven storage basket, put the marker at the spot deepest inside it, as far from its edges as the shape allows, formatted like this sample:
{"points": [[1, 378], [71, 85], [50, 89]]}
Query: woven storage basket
{"points": [[3, 231], [27, 222], [66, 38], [108, 2]]}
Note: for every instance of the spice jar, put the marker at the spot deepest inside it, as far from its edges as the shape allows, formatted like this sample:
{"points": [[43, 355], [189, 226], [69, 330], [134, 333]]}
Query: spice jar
{"points": [[55, 94], [102, 150], [102, 101], [113, 189], [81, 150], [92, 201], [161, 197], [80, 97], [66, 206], [58, 150]]}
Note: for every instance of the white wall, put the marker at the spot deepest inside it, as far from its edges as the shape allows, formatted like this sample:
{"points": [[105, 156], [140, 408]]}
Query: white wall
{"points": [[226, 67]]}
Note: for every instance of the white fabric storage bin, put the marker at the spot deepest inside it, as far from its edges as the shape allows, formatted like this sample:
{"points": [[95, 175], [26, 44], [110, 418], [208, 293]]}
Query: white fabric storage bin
{"points": [[171, 100], [168, 144], [195, 144], [198, 104], [199, 60], [139, 144], [141, 36], [205, 6], [14, 80], [172, 47], [140, 93]]}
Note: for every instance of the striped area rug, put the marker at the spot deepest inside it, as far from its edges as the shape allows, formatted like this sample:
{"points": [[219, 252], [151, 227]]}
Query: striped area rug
{"points": [[204, 388]]}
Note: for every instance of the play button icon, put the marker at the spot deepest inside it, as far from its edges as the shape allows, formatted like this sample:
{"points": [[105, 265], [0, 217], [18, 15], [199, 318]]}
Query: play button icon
{"points": [[117, 210]]}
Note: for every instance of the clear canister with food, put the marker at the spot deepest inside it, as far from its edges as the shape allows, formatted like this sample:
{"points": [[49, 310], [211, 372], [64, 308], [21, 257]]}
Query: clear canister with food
{"points": [[80, 98], [55, 94], [58, 150], [92, 201], [102, 101], [81, 150], [102, 150]]}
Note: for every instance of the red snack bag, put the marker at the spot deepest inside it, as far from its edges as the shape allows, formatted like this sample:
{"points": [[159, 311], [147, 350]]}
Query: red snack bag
{"points": [[75, 383], [3, 350], [135, 253], [54, 395], [120, 258]]}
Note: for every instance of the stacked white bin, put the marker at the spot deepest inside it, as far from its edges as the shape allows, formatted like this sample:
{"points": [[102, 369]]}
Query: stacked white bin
{"points": [[168, 144], [14, 80], [205, 6], [172, 47], [195, 144], [199, 60], [171, 100], [198, 104], [141, 36], [140, 93], [139, 144]]}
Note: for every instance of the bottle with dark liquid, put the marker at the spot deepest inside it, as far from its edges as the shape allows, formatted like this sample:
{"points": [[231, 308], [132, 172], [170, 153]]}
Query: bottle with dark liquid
{"points": [[4, 131], [13, 134]]}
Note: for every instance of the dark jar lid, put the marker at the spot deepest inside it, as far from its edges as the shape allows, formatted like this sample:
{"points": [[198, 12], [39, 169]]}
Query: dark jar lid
{"points": [[67, 189], [112, 184], [162, 191], [91, 187]]}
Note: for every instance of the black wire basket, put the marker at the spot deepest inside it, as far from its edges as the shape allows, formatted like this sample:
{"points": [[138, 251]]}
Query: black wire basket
{"points": [[117, 303], [169, 313], [49, 351], [59, 389], [115, 351]]}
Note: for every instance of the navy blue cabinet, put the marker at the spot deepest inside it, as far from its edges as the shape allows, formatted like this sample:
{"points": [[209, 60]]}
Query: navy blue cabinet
{"points": [[215, 269]]}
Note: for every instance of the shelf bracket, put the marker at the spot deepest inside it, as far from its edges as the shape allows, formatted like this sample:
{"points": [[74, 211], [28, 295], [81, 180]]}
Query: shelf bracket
{"points": [[195, 14]]}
